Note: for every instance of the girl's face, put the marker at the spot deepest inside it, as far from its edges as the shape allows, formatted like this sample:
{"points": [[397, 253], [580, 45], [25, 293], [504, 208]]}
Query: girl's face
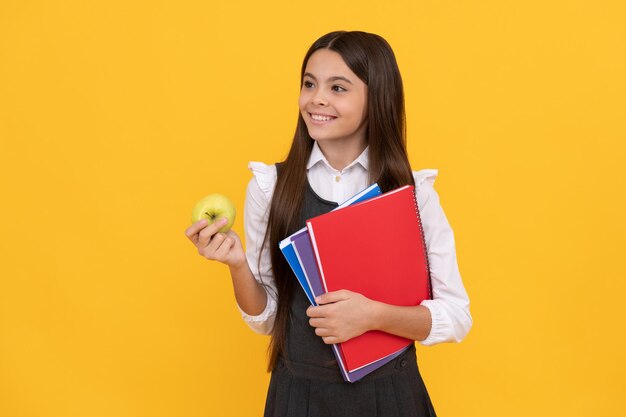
{"points": [[333, 100]]}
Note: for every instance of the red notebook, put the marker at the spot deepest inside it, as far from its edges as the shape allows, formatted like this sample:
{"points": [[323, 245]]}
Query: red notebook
{"points": [[375, 248]]}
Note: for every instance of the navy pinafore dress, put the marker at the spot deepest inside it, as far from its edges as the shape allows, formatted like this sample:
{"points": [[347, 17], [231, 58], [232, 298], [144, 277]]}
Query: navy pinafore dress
{"points": [[307, 382]]}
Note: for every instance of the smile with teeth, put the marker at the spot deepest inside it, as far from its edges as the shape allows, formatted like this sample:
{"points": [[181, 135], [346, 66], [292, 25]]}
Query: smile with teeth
{"points": [[321, 118]]}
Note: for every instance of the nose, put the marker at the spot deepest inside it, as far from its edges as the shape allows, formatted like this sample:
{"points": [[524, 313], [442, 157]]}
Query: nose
{"points": [[319, 99]]}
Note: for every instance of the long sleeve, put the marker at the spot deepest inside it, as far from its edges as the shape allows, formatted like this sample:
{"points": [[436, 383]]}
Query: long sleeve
{"points": [[449, 308], [256, 212]]}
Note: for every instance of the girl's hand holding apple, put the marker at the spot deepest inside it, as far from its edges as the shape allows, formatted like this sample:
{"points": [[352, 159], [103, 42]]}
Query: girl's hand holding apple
{"points": [[210, 232], [217, 246]]}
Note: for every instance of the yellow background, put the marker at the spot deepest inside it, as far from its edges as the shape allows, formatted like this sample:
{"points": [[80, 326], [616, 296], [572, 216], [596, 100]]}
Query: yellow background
{"points": [[117, 116]]}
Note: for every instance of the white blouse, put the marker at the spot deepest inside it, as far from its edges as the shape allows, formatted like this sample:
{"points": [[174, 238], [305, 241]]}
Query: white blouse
{"points": [[449, 308]]}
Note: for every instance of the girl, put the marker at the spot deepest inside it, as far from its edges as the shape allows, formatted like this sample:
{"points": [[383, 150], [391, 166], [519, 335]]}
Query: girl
{"points": [[350, 133]]}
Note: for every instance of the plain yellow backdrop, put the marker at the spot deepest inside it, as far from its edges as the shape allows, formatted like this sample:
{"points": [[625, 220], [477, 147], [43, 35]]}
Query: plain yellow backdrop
{"points": [[117, 116]]}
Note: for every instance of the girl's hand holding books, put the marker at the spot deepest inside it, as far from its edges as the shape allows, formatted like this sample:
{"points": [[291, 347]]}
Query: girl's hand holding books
{"points": [[341, 315], [213, 245]]}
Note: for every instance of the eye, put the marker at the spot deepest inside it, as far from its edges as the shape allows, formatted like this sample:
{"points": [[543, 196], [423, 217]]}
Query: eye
{"points": [[338, 88], [307, 84]]}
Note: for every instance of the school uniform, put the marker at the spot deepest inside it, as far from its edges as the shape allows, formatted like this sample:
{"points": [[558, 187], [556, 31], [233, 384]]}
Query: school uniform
{"points": [[307, 381]]}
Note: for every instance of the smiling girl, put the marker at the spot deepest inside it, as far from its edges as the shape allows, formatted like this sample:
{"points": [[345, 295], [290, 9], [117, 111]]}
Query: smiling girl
{"points": [[350, 134]]}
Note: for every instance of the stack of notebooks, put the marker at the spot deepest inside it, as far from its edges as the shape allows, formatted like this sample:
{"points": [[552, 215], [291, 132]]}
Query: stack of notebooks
{"points": [[372, 244]]}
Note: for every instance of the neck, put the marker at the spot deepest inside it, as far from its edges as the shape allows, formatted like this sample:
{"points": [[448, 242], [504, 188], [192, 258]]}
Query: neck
{"points": [[340, 154]]}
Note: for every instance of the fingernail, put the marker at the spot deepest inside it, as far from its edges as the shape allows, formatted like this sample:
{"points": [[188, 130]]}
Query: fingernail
{"points": [[223, 220]]}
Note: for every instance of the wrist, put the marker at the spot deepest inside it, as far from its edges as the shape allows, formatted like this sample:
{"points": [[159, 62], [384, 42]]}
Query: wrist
{"points": [[375, 310], [237, 268]]}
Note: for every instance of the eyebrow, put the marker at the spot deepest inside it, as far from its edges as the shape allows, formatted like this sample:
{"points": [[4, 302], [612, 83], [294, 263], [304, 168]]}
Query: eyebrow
{"points": [[335, 78]]}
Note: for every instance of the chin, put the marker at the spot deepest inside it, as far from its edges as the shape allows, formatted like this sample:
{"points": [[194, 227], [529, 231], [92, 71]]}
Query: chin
{"points": [[318, 134], [320, 138]]}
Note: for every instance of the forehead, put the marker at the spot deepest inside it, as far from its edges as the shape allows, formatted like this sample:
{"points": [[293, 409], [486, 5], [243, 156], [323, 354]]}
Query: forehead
{"points": [[325, 63]]}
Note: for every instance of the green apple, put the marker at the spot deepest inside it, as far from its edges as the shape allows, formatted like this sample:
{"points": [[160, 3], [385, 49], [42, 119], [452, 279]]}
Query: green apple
{"points": [[213, 207]]}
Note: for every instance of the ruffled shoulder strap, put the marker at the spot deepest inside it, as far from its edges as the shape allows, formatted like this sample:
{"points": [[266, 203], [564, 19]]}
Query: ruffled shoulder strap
{"points": [[425, 176], [265, 176], [424, 180]]}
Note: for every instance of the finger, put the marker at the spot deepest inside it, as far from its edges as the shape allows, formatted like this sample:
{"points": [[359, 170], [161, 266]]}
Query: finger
{"points": [[207, 233], [224, 248], [316, 312], [232, 235], [331, 340], [332, 297], [215, 243], [214, 227], [192, 231], [322, 332], [317, 322]]}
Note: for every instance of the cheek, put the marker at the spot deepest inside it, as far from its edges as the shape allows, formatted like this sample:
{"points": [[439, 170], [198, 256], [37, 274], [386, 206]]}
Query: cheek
{"points": [[364, 114], [361, 113], [303, 100], [352, 112]]}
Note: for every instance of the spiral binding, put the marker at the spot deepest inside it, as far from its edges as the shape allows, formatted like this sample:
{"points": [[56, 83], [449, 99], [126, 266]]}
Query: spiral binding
{"points": [[419, 221]]}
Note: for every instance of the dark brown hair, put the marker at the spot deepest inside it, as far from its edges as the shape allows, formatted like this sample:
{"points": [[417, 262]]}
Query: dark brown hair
{"points": [[371, 58]]}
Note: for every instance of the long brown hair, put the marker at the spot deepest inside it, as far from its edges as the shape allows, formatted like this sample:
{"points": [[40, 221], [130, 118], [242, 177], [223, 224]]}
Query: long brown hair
{"points": [[371, 58]]}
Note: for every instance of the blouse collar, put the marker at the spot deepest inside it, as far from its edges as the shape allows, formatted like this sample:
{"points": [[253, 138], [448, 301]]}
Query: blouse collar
{"points": [[317, 156]]}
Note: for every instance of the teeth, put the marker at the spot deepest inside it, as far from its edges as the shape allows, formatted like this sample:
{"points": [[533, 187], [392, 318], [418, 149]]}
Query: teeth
{"points": [[320, 118]]}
